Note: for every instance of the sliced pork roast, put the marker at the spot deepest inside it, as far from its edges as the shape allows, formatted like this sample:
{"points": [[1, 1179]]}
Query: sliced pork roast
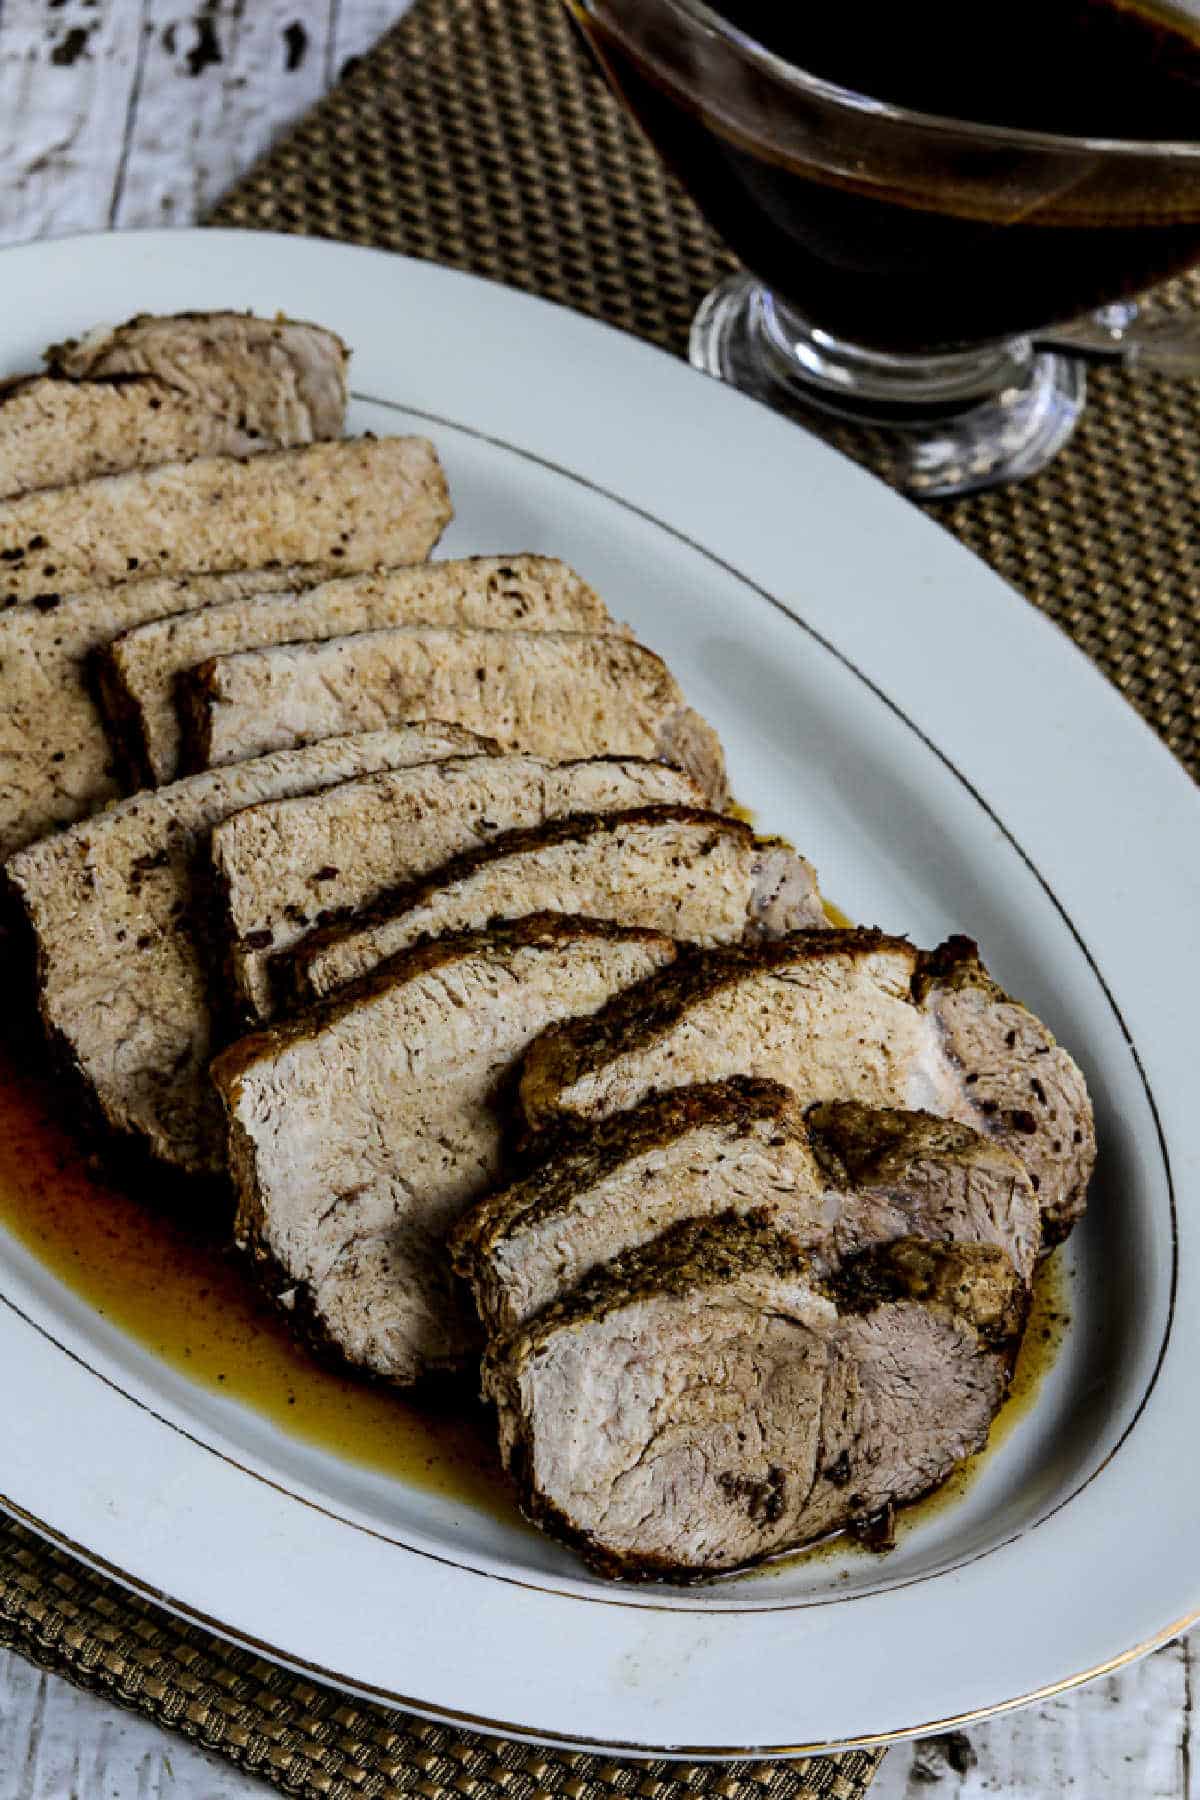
{"points": [[165, 390], [702, 877], [54, 433], [139, 670], [281, 379], [360, 1130], [838, 1015], [282, 869], [56, 762], [553, 693], [711, 1399], [120, 939], [844, 1178], [348, 504]]}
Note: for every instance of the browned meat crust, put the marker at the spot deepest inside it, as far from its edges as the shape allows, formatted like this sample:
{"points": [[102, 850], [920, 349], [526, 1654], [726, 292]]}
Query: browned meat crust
{"points": [[282, 869], [166, 390], [57, 764], [123, 959], [282, 379], [839, 1015], [702, 877], [834, 1182], [550, 693]]}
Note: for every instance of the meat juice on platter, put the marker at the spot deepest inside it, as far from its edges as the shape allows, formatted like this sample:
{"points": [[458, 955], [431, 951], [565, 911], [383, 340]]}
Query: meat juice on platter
{"points": [[185, 1297], [927, 264], [188, 1300]]}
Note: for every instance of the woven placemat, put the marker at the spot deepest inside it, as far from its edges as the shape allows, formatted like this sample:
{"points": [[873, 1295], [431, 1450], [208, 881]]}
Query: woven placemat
{"points": [[313, 1741], [477, 135]]}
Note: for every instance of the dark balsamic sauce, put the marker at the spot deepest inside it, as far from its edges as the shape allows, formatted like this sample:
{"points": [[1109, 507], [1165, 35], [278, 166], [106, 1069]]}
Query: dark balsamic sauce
{"points": [[922, 266]]}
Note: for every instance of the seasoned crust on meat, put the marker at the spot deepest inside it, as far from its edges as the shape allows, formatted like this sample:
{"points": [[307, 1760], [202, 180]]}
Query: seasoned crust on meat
{"points": [[57, 764], [139, 670], [737, 1006], [282, 869], [834, 1182], [700, 876], [166, 390], [914, 1174], [849, 1015], [122, 953], [282, 380], [54, 433], [599, 1190], [1024, 1086]]}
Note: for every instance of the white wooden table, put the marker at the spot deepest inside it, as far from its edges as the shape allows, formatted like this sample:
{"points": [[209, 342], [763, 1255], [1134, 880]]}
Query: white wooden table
{"points": [[134, 113]]}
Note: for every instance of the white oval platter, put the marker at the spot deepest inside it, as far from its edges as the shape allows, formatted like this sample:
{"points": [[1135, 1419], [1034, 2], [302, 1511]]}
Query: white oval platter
{"points": [[950, 762]]}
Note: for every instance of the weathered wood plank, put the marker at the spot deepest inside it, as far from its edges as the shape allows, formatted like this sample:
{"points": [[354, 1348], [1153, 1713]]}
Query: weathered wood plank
{"points": [[140, 113], [1117, 1738], [66, 82], [215, 88], [1126, 1735], [357, 24]]}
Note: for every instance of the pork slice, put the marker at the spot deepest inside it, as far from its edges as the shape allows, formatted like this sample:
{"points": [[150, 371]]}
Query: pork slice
{"points": [[838, 1181], [736, 1146], [897, 1174], [281, 380], [850, 1015], [121, 940], [553, 693], [349, 504], [702, 877], [282, 869], [359, 1130], [711, 1400], [829, 1014], [57, 764], [1022, 1085], [55, 432], [165, 390], [139, 670]]}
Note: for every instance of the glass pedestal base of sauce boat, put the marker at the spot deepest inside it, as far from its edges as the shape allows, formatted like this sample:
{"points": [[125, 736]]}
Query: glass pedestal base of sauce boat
{"points": [[947, 424]]}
